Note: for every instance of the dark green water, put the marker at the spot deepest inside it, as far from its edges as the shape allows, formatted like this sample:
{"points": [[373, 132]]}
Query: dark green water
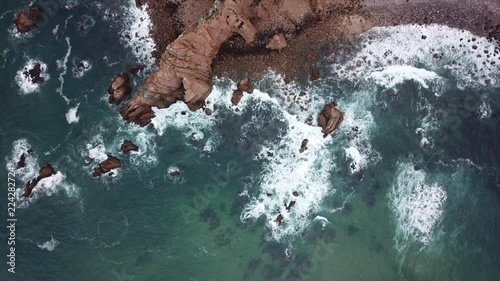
{"points": [[408, 210]]}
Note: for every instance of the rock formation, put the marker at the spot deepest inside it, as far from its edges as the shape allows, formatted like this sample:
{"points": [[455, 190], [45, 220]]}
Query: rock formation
{"points": [[34, 74], [278, 42], [330, 118], [243, 86], [119, 89], [128, 146], [303, 146], [45, 172], [26, 19], [279, 219], [107, 165], [185, 67], [22, 161]]}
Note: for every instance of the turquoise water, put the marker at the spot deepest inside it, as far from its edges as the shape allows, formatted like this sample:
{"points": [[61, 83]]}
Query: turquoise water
{"points": [[377, 200]]}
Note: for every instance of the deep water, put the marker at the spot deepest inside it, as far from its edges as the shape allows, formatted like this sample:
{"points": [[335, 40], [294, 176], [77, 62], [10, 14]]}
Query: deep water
{"points": [[407, 189]]}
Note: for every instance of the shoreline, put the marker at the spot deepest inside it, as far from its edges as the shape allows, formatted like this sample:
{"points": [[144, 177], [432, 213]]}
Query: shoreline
{"points": [[319, 37]]}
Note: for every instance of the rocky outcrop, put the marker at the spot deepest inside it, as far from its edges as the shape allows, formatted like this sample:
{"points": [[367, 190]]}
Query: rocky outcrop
{"points": [[330, 118], [119, 89], [107, 165], [278, 42], [279, 219], [185, 72], [26, 19], [243, 86], [303, 146], [45, 172], [128, 146], [34, 74], [237, 95], [185, 67]]}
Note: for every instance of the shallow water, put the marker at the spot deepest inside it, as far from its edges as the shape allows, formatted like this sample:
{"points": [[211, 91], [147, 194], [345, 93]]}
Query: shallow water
{"points": [[406, 189]]}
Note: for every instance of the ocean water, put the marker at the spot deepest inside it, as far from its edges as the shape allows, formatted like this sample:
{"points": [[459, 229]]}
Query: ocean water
{"points": [[408, 188]]}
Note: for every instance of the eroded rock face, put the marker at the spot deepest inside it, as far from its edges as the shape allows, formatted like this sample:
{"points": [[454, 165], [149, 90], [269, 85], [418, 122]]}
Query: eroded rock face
{"points": [[185, 67], [119, 89], [107, 165], [128, 146], [330, 118], [45, 172], [185, 73], [26, 19]]}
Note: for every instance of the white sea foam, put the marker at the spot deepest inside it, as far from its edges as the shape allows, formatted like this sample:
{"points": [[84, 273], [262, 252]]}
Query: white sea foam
{"points": [[30, 170], [49, 245], [62, 64], [136, 35], [358, 125], [393, 75], [45, 187], [417, 203], [290, 171], [25, 82], [484, 110], [470, 59], [71, 116]]}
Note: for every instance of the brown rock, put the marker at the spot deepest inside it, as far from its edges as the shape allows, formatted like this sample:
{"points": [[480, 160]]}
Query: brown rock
{"points": [[128, 146], [245, 86], [107, 165], [45, 172], [119, 89], [26, 19], [278, 42], [279, 219], [237, 95], [303, 146], [330, 118], [185, 67]]}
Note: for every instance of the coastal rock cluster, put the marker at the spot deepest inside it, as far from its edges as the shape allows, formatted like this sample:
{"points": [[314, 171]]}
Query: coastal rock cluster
{"points": [[185, 71], [107, 165], [45, 172]]}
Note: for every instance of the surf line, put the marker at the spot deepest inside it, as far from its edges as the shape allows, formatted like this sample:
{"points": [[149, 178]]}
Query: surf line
{"points": [[63, 64]]}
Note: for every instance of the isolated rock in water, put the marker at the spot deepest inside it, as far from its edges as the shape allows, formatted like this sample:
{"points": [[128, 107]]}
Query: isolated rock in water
{"points": [[22, 161], [107, 165], [128, 146], [26, 19], [278, 42], [330, 118], [185, 67], [237, 95], [245, 86], [292, 203], [119, 89], [45, 172], [303, 146], [34, 74], [279, 219]]}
